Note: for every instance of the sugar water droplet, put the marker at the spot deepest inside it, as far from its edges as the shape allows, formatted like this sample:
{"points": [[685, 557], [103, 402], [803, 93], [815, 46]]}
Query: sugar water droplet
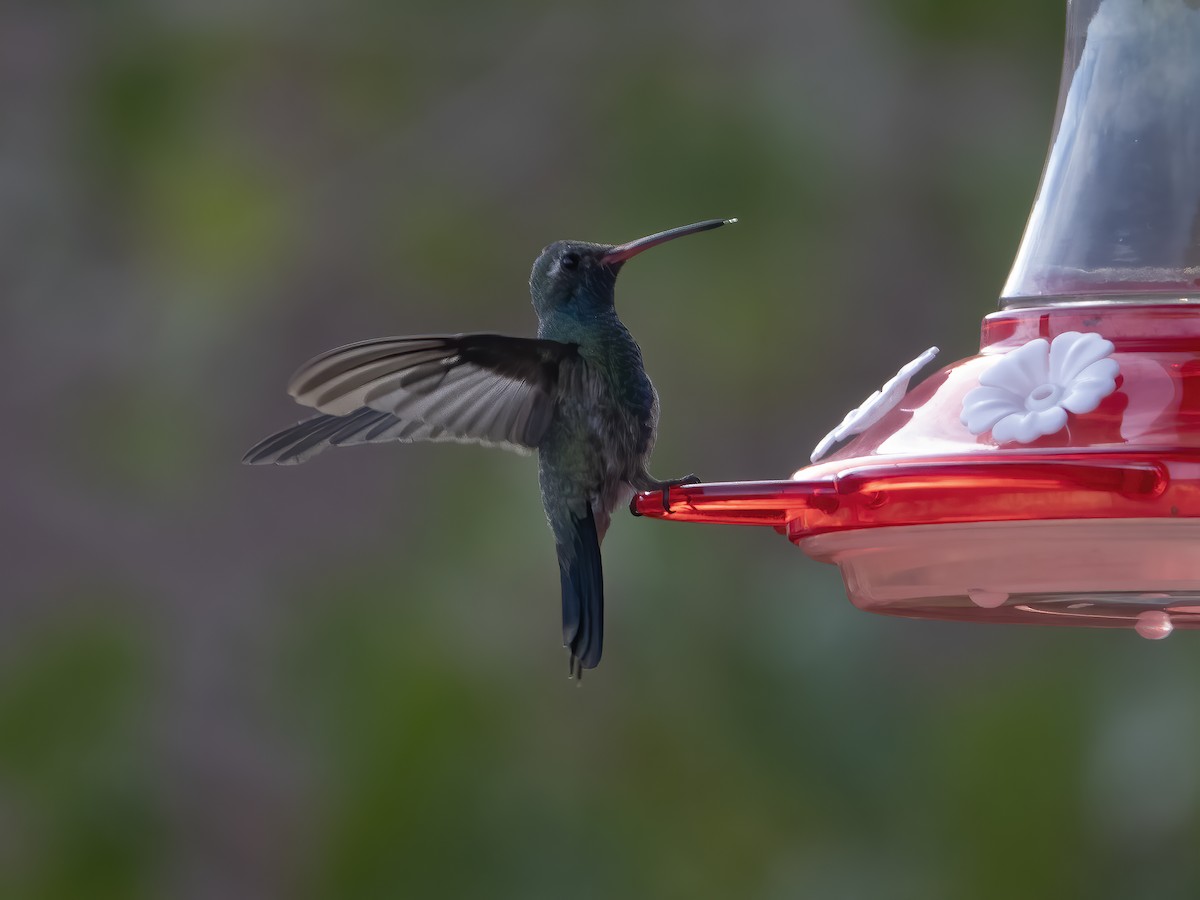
{"points": [[987, 599], [1153, 625]]}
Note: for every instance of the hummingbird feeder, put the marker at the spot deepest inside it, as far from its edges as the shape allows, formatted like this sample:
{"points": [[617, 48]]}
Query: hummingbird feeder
{"points": [[1054, 478]]}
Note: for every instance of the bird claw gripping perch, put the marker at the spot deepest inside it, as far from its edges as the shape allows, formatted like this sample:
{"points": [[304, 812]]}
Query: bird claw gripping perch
{"points": [[665, 488]]}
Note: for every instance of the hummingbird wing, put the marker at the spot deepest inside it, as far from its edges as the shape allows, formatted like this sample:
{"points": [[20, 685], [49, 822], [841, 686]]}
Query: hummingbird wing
{"points": [[582, 577], [473, 388], [480, 388], [306, 439]]}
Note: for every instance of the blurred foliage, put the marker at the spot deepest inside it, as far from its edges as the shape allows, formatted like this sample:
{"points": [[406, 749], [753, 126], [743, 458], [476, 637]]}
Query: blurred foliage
{"points": [[1027, 24], [78, 812], [343, 680]]}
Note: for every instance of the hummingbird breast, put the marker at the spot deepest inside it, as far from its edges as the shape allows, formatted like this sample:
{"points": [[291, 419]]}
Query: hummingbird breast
{"points": [[604, 426]]}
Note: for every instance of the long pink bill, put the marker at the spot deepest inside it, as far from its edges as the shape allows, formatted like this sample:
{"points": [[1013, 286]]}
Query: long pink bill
{"points": [[622, 252]]}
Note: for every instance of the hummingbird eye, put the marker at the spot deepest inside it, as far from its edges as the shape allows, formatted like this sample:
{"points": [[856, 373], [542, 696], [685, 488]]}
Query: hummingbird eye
{"points": [[569, 260]]}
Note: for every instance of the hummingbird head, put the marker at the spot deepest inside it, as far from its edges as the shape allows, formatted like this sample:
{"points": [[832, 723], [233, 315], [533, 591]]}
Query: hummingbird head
{"points": [[578, 277]]}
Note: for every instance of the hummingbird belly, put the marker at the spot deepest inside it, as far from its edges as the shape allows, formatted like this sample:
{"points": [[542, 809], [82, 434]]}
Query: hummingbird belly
{"points": [[597, 442]]}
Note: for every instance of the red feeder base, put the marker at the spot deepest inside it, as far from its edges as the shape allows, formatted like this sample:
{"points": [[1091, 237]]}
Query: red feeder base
{"points": [[1096, 523]]}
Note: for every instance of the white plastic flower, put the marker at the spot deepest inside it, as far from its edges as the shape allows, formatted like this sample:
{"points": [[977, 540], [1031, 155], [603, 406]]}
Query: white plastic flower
{"points": [[1028, 392], [874, 407]]}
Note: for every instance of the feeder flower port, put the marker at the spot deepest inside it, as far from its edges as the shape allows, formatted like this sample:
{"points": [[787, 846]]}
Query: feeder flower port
{"points": [[1027, 393]]}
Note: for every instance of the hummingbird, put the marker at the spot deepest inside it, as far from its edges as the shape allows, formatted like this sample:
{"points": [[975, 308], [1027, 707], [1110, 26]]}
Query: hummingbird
{"points": [[578, 394]]}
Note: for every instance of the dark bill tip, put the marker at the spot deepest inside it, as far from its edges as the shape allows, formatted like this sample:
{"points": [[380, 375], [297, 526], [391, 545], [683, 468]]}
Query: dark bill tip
{"points": [[622, 252]]}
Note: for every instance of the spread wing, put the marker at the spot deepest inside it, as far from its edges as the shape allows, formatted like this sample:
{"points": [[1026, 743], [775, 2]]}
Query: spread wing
{"points": [[470, 388], [306, 439]]}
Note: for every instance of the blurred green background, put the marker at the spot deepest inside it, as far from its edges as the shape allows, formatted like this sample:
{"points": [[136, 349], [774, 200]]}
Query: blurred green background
{"points": [[344, 680]]}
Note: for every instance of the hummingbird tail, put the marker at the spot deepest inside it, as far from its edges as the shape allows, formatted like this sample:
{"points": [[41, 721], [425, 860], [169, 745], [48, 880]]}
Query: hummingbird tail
{"points": [[582, 591]]}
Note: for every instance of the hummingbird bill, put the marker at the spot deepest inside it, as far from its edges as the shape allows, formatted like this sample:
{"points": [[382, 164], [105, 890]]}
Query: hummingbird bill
{"points": [[577, 394]]}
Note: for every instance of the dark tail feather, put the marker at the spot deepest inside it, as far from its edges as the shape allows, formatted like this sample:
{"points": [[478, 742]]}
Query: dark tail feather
{"points": [[582, 593]]}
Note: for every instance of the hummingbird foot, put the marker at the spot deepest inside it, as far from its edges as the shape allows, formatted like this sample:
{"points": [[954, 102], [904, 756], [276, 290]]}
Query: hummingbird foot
{"points": [[653, 484], [675, 482]]}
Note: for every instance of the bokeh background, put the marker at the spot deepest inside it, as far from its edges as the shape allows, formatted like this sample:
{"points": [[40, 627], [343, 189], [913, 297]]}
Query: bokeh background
{"points": [[344, 680]]}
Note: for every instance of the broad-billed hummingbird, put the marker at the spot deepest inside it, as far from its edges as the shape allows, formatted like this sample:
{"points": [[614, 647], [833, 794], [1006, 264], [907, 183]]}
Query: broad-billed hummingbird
{"points": [[577, 393]]}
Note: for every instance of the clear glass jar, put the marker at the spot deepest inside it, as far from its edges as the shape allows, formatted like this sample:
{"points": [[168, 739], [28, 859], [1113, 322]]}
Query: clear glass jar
{"points": [[1117, 213]]}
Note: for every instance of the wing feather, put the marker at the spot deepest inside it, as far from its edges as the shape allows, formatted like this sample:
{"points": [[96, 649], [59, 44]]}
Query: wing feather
{"points": [[468, 388], [308, 438], [478, 387]]}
